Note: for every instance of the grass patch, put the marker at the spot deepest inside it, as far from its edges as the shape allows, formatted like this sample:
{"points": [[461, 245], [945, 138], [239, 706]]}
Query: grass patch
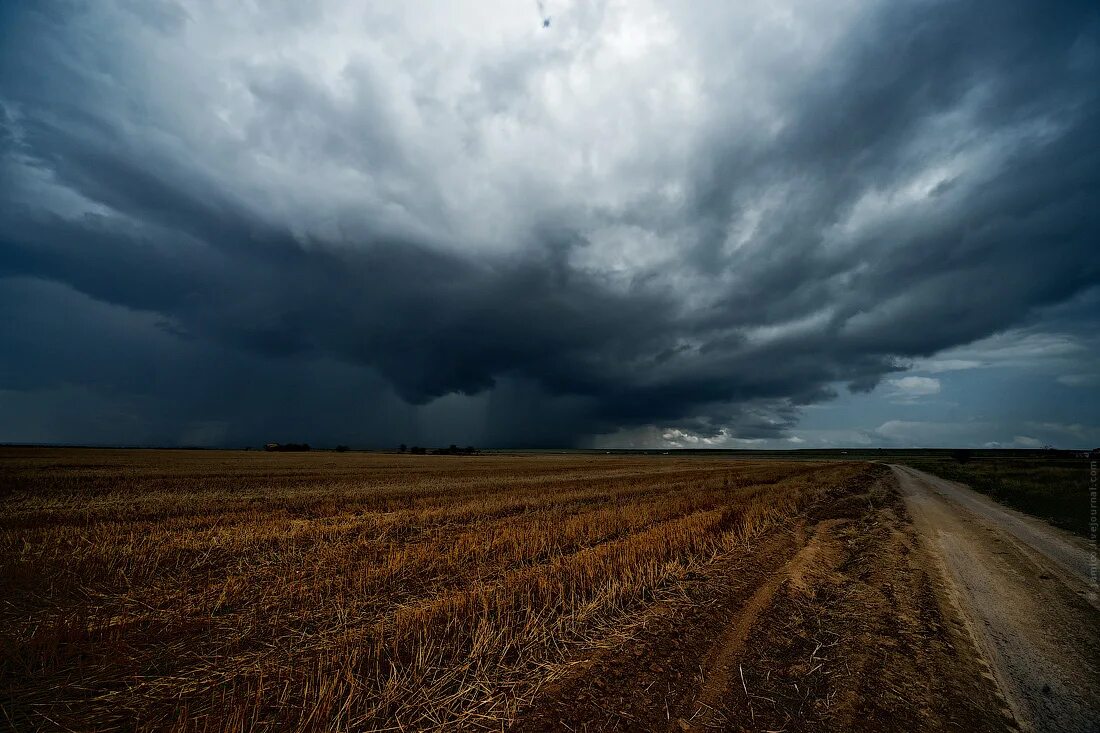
{"points": [[1055, 489]]}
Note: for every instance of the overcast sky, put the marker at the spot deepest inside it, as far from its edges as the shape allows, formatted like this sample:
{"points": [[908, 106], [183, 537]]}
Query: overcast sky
{"points": [[730, 224]]}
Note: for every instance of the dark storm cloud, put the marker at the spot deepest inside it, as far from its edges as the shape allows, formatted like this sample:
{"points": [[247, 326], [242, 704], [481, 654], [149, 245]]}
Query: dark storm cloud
{"points": [[930, 180]]}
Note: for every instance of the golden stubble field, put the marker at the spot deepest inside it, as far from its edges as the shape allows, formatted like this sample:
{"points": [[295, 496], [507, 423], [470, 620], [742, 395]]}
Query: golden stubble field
{"points": [[176, 590]]}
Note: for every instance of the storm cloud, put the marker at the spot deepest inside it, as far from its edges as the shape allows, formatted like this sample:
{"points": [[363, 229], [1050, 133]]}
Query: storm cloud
{"points": [[337, 222]]}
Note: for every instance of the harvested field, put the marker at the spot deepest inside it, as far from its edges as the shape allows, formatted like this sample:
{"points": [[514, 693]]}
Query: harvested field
{"points": [[158, 590]]}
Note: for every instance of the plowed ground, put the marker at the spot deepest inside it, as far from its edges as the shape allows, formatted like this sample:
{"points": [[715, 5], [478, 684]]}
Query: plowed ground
{"points": [[208, 591], [833, 623]]}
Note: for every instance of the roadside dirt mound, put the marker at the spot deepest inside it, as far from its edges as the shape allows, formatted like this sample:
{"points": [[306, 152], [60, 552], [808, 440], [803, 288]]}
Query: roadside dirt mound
{"points": [[834, 624]]}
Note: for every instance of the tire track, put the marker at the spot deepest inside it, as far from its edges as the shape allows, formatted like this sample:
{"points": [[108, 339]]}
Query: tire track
{"points": [[723, 670]]}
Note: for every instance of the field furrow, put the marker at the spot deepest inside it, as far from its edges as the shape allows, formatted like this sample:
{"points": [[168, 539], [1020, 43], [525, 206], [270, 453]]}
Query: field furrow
{"points": [[354, 592]]}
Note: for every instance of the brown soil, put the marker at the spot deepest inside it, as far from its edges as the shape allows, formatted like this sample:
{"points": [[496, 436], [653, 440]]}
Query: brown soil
{"points": [[840, 623]]}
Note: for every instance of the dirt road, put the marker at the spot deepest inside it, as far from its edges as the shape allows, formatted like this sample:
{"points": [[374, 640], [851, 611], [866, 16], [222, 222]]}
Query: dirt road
{"points": [[1023, 590]]}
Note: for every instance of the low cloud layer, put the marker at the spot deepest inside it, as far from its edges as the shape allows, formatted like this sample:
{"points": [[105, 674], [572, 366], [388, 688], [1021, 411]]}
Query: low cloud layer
{"points": [[331, 220]]}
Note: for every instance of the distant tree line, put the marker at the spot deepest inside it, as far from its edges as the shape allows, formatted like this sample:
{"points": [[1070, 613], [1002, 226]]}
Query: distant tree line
{"points": [[286, 447], [451, 450], [416, 450]]}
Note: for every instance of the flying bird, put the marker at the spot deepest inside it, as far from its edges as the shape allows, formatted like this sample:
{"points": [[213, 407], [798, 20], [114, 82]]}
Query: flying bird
{"points": [[543, 14]]}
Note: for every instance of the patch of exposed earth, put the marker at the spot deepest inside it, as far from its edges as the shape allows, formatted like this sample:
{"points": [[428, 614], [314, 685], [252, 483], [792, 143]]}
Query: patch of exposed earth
{"points": [[844, 621]]}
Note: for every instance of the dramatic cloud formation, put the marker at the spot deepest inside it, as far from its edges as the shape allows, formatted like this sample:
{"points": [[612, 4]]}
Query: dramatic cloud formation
{"points": [[912, 388], [649, 223]]}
